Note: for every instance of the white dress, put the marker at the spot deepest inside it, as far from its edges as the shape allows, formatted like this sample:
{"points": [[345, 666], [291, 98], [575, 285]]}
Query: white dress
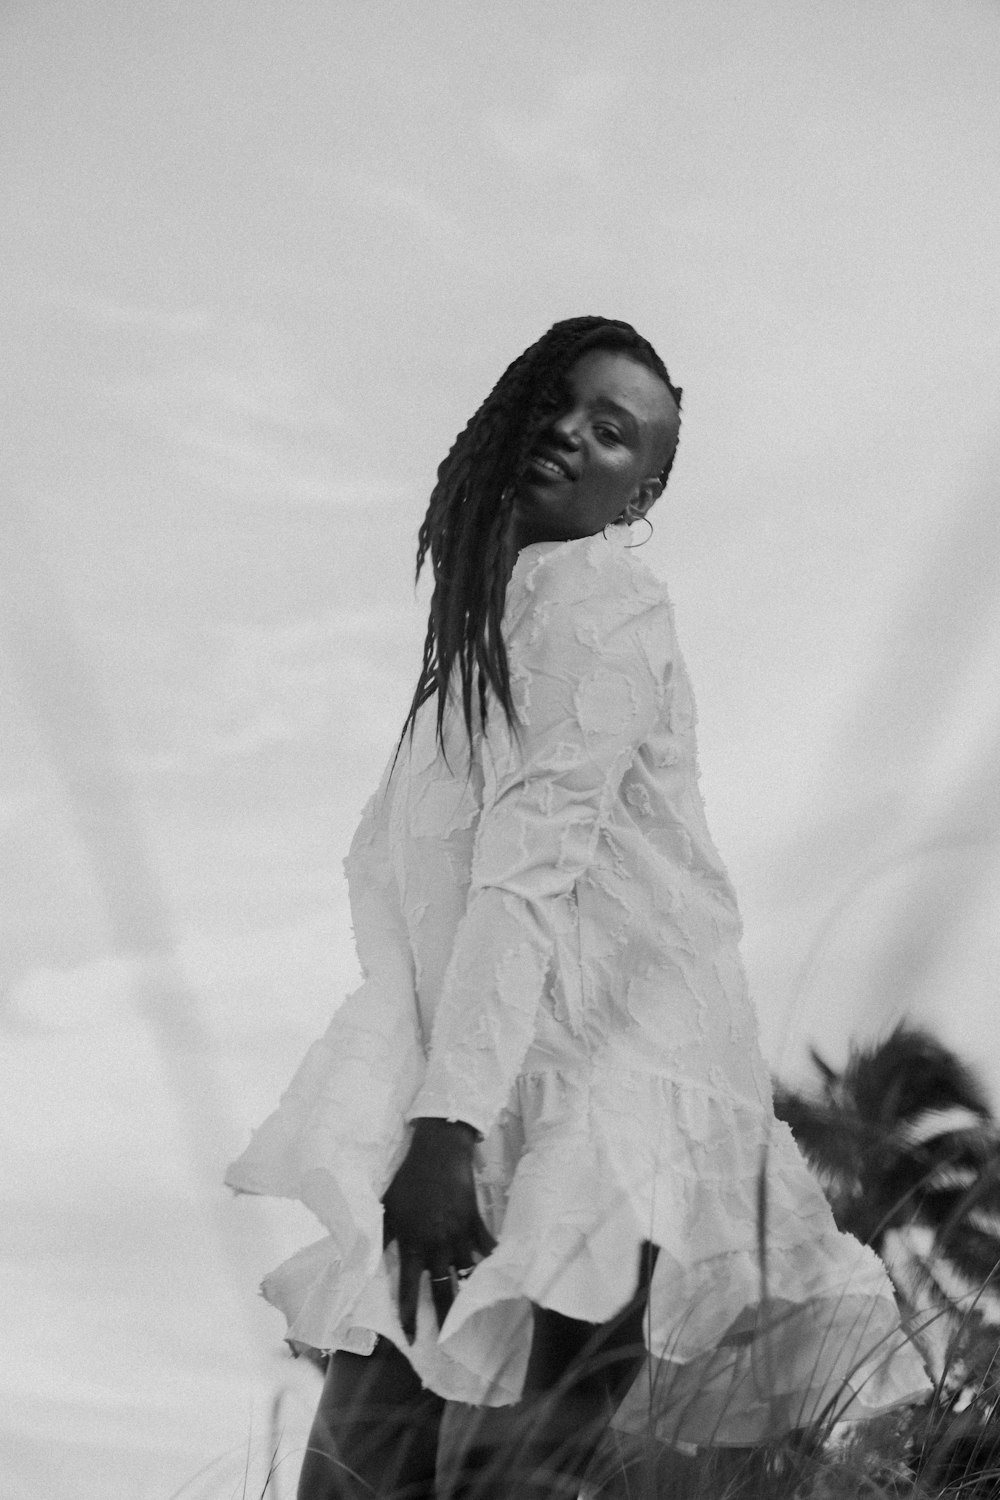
{"points": [[550, 949]]}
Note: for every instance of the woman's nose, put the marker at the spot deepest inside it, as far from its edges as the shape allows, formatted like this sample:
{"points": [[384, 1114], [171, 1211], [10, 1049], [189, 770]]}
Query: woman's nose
{"points": [[566, 429]]}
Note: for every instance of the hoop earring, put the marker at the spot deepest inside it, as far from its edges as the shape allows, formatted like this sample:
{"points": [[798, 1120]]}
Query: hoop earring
{"points": [[631, 546]]}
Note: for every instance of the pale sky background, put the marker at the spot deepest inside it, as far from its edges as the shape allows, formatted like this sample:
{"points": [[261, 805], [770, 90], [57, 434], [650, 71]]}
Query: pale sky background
{"points": [[261, 263]]}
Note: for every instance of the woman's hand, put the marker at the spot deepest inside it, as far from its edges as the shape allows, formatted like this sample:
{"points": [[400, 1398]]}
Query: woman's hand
{"points": [[431, 1210]]}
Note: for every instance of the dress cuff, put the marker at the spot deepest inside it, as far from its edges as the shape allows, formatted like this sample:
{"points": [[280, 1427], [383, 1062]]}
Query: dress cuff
{"points": [[432, 1105]]}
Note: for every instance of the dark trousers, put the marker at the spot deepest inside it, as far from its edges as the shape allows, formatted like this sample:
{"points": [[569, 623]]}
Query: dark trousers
{"points": [[377, 1431]]}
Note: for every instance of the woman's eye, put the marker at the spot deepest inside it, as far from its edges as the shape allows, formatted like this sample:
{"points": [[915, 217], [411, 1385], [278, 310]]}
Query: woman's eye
{"points": [[608, 435]]}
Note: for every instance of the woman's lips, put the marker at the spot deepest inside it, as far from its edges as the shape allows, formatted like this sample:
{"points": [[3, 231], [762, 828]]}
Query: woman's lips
{"points": [[548, 465]]}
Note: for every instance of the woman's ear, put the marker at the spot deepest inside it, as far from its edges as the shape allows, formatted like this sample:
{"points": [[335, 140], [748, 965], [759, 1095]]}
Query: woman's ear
{"points": [[647, 494]]}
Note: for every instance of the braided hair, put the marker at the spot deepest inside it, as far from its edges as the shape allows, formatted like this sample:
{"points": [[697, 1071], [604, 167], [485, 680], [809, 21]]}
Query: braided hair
{"points": [[466, 531]]}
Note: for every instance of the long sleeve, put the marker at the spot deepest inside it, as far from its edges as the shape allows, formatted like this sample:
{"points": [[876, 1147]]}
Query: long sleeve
{"points": [[590, 657], [335, 1133], [339, 1133]]}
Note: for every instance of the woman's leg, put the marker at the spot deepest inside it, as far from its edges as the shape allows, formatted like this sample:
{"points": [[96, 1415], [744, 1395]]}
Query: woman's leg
{"points": [[577, 1375], [375, 1431]]}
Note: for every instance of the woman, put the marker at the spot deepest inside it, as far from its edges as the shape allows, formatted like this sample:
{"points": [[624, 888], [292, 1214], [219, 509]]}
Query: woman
{"points": [[540, 1132]]}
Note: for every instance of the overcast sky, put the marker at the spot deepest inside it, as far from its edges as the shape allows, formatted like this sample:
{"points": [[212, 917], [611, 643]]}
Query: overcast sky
{"points": [[262, 262]]}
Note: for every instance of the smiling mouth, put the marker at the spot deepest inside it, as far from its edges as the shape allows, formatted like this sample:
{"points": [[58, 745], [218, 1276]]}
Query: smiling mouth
{"points": [[550, 465]]}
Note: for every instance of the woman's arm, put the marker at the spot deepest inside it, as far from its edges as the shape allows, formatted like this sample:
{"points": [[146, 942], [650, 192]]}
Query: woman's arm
{"points": [[589, 675], [589, 665]]}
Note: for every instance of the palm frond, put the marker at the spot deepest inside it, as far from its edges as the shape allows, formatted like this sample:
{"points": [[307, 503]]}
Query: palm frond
{"points": [[904, 1137], [909, 1074]]}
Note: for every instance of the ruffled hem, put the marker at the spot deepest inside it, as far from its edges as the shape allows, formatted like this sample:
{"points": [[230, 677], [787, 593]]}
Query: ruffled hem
{"points": [[764, 1333], [778, 1367], [782, 1367]]}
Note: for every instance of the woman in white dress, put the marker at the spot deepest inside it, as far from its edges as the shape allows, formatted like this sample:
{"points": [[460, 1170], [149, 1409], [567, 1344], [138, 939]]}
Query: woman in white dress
{"points": [[540, 1135]]}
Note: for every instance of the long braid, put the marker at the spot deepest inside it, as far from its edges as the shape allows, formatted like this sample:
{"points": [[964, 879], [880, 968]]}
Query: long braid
{"points": [[466, 530]]}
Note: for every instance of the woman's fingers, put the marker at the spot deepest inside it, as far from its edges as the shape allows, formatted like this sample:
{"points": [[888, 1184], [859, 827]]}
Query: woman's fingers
{"points": [[442, 1293], [463, 1258], [442, 1263], [411, 1267], [483, 1240]]}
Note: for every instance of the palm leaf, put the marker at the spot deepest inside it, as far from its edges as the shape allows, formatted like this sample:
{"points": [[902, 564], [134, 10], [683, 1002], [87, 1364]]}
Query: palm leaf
{"points": [[903, 1136]]}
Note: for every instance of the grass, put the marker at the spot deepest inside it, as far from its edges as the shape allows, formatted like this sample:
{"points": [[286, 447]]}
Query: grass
{"points": [[945, 1449]]}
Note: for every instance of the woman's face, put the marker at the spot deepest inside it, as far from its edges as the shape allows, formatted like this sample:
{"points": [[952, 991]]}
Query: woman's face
{"points": [[601, 453]]}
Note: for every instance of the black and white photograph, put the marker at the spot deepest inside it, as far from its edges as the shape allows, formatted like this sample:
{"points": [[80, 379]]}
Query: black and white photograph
{"points": [[500, 755]]}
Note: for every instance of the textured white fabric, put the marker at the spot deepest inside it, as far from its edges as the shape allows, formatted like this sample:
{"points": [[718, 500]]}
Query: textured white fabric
{"points": [[549, 942]]}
